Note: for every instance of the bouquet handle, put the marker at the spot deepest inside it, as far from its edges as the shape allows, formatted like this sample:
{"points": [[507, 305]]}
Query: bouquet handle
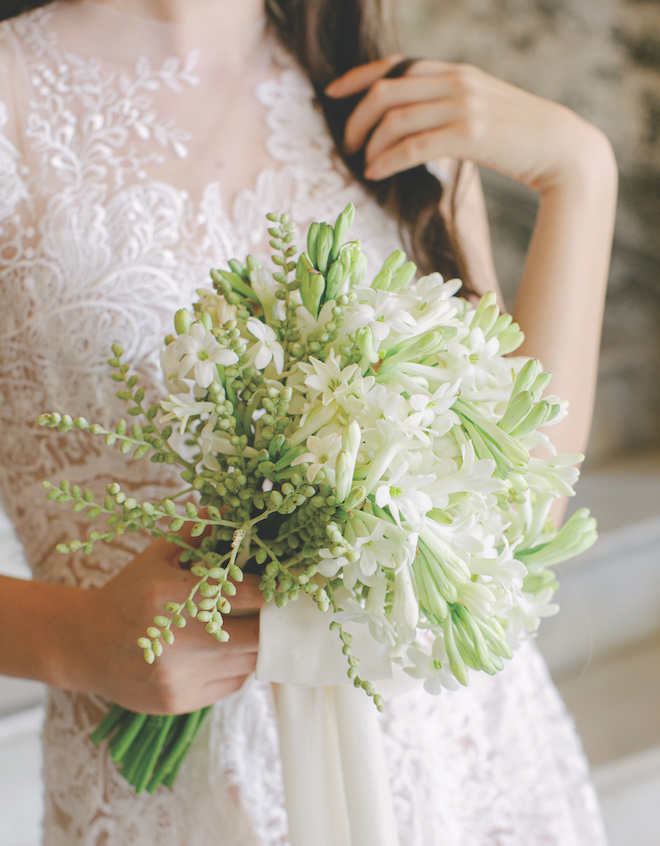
{"points": [[333, 762], [333, 767]]}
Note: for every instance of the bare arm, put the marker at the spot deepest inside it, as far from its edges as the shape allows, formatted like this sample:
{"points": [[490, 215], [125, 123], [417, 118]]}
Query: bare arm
{"points": [[561, 297]]}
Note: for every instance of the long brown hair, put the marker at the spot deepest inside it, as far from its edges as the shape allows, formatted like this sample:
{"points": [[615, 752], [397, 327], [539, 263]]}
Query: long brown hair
{"points": [[328, 38]]}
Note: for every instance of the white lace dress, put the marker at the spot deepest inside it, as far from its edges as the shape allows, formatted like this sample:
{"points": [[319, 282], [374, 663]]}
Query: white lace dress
{"points": [[124, 161]]}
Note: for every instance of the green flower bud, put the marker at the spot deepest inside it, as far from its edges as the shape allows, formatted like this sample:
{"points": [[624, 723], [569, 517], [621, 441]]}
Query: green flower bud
{"points": [[382, 280], [182, 321], [312, 235], [153, 632], [517, 410], [324, 244], [261, 556], [403, 277], [342, 225]]}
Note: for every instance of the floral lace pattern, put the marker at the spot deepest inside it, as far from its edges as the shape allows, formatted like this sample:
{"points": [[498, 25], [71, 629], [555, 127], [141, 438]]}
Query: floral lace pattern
{"points": [[94, 248]]}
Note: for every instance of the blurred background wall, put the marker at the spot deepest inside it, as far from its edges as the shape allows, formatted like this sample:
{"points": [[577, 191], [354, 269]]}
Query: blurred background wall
{"points": [[602, 59]]}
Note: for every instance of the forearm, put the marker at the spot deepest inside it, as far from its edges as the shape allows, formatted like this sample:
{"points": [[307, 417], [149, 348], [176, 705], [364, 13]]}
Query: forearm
{"points": [[560, 300], [38, 627]]}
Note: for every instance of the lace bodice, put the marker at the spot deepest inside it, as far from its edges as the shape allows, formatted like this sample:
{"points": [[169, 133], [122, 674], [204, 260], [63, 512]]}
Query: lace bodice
{"points": [[128, 167], [101, 243]]}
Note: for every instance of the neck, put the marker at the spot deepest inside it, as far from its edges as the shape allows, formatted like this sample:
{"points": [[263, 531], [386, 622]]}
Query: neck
{"points": [[228, 31], [193, 13]]}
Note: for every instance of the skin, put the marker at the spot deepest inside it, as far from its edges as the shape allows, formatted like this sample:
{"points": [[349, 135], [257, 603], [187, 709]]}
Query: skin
{"points": [[85, 639]]}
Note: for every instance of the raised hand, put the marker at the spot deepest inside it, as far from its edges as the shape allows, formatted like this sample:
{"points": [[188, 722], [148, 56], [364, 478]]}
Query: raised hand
{"points": [[441, 110]]}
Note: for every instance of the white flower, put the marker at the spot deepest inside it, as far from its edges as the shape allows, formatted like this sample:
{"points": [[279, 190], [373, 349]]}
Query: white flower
{"points": [[433, 668], [402, 494], [265, 287], [384, 314], [267, 348], [433, 287], [217, 306], [321, 456], [308, 324], [503, 569], [178, 409], [377, 542], [197, 353], [528, 610], [328, 378], [474, 476], [405, 610], [170, 361], [433, 411]]}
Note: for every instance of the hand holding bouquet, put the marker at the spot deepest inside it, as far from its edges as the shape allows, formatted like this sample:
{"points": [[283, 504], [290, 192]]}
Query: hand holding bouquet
{"points": [[368, 445]]}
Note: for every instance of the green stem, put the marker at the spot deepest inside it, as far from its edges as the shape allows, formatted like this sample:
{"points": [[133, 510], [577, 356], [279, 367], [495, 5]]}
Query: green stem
{"points": [[108, 724], [129, 730], [170, 777], [151, 754], [163, 765], [139, 749]]}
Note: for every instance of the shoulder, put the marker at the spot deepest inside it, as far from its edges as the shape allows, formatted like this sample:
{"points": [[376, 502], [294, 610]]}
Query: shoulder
{"points": [[25, 34]]}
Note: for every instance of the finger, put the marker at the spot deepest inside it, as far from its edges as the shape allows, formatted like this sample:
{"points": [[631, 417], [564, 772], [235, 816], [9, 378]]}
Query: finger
{"points": [[361, 77], [409, 120], [225, 665], [416, 150], [201, 697], [220, 690], [193, 643], [232, 665], [388, 94], [243, 634], [428, 67]]}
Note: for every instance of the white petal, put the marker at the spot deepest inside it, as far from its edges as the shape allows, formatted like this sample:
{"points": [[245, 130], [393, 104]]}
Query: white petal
{"points": [[262, 357]]}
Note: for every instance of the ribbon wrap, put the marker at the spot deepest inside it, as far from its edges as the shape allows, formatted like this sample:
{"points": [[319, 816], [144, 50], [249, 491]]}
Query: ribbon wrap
{"points": [[333, 763]]}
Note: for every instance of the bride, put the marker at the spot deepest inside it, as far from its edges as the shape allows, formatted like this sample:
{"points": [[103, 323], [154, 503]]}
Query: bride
{"points": [[142, 142]]}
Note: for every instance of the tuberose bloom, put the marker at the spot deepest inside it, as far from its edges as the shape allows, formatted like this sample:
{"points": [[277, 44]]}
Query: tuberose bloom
{"points": [[195, 355]]}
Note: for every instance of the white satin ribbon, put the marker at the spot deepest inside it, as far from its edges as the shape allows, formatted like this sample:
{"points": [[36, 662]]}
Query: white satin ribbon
{"points": [[333, 763]]}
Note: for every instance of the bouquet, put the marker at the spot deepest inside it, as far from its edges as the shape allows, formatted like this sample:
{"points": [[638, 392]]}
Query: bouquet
{"points": [[366, 443]]}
